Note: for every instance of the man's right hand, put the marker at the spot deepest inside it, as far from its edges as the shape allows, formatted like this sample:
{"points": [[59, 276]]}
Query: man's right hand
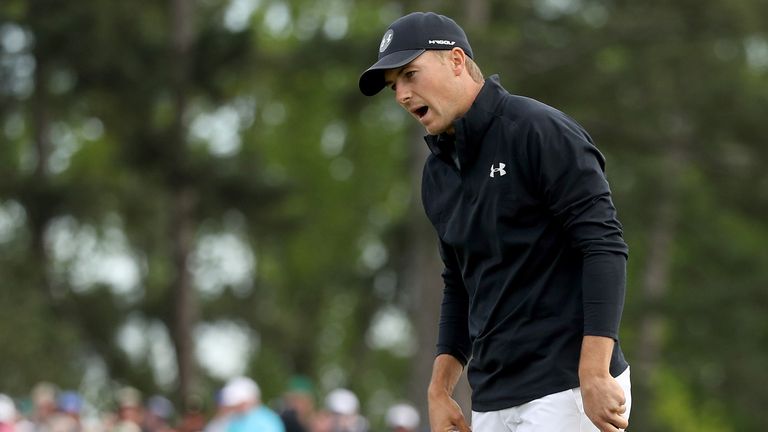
{"points": [[445, 415]]}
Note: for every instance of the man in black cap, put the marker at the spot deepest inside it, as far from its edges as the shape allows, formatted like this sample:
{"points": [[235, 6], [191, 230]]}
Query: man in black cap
{"points": [[535, 262]]}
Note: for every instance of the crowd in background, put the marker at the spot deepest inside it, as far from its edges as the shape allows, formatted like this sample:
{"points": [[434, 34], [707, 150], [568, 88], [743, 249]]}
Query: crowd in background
{"points": [[238, 408]]}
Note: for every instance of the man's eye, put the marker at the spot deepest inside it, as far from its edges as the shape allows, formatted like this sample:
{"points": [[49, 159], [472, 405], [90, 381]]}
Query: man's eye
{"points": [[410, 74]]}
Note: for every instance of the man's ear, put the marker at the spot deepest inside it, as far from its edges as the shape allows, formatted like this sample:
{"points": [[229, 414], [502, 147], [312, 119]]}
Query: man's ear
{"points": [[458, 60]]}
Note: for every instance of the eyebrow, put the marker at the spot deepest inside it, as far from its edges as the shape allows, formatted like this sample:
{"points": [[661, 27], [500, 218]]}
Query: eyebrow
{"points": [[400, 70]]}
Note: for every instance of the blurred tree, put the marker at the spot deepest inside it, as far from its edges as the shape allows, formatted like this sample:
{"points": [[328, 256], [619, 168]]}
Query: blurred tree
{"points": [[38, 137], [169, 167], [183, 201], [137, 169]]}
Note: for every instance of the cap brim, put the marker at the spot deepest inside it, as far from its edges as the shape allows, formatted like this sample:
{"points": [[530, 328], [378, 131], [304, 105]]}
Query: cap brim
{"points": [[372, 80]]}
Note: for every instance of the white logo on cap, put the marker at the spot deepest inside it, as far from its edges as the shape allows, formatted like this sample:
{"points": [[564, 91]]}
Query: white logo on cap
{"points": [[386, 40], [441, 42]]}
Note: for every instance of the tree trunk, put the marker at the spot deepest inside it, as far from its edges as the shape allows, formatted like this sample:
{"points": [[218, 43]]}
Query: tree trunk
{"points": [[184, 296], [477, 13], [656, 279], [421, 276], [183, 202], [655, 284], [39, 201]]}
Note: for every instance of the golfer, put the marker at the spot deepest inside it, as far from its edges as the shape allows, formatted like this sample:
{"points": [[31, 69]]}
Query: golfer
{"points": [[535, 262]]}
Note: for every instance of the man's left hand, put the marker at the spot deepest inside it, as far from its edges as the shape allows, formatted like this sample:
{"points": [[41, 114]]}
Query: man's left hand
{"points": [[604, 402]]}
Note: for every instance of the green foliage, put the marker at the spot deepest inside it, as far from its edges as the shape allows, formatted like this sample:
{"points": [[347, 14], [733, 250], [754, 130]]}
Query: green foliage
{"points": [[266, 134], [675, 410]]}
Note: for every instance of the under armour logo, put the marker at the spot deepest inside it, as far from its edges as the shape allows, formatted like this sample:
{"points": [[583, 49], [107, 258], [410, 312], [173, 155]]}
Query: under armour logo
{"points": [[499, 170], [386, 40]]}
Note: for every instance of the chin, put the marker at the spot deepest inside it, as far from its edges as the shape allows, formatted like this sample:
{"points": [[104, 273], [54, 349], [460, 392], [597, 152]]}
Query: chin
{"points": [[435, 130]]}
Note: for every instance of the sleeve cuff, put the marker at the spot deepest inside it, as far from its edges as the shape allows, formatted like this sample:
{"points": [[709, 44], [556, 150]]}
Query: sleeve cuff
{"points": [[460, 356]]}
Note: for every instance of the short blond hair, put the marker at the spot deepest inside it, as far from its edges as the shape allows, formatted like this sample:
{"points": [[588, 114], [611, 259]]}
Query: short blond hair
{"points": [[472, 68]]}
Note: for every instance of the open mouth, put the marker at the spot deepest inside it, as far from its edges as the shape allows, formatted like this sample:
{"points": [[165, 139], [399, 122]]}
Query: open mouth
{"points": [[421, 112]]}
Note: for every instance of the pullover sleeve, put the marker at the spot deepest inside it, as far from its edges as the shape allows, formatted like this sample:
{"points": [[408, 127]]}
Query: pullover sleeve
{"points": [[568, 172], [453, 331]]}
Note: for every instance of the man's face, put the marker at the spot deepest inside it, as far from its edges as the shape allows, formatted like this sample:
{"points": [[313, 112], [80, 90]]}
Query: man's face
{"points": [[427, 88]]}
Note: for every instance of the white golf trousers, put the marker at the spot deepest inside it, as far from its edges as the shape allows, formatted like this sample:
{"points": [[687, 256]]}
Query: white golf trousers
{"points": [[558, 412]]}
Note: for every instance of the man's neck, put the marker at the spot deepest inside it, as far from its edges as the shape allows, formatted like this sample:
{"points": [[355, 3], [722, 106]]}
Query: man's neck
{"points": [[473, 89]]}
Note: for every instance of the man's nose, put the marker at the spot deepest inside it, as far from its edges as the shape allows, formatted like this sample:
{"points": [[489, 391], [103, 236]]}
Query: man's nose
{"points": [[402, 94]]}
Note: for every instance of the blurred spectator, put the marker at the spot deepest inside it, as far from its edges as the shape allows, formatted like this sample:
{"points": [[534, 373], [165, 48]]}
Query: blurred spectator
{"points": [[402, 417], [242, 396], [7, 414], [158, 414], [239, 409], [298, 405], [23, 414], [67, 416], [43, 406], [344, 409], [193, 419], [129, 411], [220, 419]]}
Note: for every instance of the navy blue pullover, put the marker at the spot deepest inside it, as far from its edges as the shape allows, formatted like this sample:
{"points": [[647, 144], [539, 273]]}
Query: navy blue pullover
{"points": [[533, 252]]}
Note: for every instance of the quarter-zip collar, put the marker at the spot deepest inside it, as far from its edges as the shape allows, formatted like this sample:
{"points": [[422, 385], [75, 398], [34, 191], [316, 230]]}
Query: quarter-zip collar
{"points": [[469, 128]]}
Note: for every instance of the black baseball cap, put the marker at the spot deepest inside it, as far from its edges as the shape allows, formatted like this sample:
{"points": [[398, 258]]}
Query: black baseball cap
{"points": [[409, 37]]}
